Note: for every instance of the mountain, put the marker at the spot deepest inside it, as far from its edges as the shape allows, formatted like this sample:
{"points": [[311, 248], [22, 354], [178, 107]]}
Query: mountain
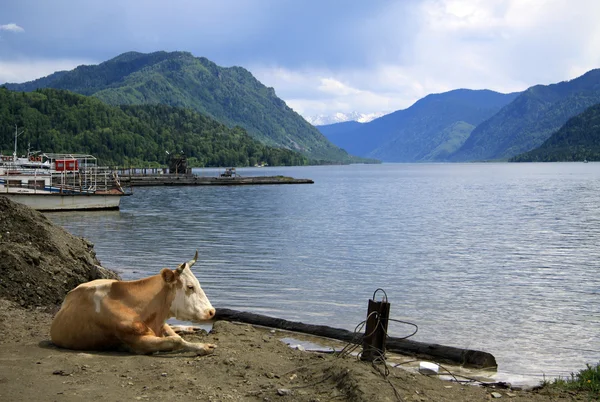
{"points": [[324, 119], [231, 96], [333, 130], [129, 135], [430, 130], [577, 140], [530, 119]]}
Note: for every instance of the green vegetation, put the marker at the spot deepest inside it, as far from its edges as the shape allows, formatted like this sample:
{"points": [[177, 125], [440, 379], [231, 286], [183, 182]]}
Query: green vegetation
{"points": [[530, 119], [61, 121], [587, 380], [231, 96], [577, 140]]}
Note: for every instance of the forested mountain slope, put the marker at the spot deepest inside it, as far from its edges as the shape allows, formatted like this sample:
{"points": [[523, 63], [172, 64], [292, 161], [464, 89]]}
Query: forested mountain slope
{"points": [[577, 140], [231, 96], [62, 121], [530, 119]]}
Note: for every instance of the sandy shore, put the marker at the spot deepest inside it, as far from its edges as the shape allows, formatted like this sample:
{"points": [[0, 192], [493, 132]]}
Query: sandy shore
{"points": [[250, 364]]}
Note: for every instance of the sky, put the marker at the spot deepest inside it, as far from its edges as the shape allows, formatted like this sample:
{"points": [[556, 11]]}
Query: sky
{"points": [[320, 56]]}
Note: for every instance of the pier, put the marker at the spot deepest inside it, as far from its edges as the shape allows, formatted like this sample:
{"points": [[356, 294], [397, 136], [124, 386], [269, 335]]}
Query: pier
{"points": [[163, 177]]}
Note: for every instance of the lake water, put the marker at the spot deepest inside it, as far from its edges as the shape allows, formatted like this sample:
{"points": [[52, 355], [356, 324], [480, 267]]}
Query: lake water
{"points": [[497, 257]]}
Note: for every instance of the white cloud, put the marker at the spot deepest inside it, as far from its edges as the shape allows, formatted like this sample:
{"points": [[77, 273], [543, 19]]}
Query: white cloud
{"points": [[335, 87], [12, 27], [311, 92], [27, 70], [285, 81], [496, 43]]}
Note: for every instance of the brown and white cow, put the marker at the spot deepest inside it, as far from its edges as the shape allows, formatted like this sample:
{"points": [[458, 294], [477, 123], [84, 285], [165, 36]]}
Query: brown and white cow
{"points": [[107, 314]]}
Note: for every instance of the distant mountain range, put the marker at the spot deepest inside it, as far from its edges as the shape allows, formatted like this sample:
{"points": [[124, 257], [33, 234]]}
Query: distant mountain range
{"points": [[530, 119], [333, 131], [456, 126], [468, 125], [430, 130], [325, 119], [231, 96]]}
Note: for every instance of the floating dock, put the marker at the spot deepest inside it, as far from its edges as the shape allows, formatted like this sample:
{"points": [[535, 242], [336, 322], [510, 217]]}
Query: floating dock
{"points": [[193, 180], [155, 177]]}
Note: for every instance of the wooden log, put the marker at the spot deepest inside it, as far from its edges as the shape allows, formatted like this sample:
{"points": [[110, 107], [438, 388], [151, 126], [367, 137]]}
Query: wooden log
{"points": [[439, 353]]}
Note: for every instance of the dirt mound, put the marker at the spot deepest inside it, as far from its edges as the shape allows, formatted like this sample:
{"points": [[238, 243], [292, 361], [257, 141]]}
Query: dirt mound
{"points": [[41, 262]]}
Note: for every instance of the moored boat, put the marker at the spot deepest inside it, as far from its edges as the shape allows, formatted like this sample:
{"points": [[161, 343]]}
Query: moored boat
{"points": [[52, 182]]}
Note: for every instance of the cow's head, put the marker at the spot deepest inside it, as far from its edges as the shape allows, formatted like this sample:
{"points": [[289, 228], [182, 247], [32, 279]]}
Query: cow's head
{"points": [[190, 303]]}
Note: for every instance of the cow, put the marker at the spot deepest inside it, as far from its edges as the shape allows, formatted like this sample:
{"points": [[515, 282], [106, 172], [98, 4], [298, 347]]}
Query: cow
{"points": [[107, 314]]}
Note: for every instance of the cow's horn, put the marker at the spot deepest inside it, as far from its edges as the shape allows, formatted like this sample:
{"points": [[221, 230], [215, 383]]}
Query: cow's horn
{"points": [[191, 263], [188, 264]]}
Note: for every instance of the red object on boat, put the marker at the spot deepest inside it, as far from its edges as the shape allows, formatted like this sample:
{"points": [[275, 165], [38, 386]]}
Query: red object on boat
{"points": [[61, 165]]}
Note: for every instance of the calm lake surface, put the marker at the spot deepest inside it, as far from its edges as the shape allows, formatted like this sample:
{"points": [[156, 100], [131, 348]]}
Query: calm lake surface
{"points": [[497, 257]]}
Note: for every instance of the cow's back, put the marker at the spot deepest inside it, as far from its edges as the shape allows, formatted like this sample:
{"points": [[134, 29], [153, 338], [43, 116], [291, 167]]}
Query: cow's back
{"points": [[80, 323]]}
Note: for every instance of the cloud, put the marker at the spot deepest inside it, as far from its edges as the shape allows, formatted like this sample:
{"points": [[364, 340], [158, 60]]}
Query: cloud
{"points": [[319, 57], [335, 87], [503, 45], [312, 91], [11, 28], [26, 70], [499, 41]]}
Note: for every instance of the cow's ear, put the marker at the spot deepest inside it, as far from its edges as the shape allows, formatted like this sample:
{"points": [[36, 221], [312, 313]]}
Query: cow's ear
{"points": [[168, 275]]}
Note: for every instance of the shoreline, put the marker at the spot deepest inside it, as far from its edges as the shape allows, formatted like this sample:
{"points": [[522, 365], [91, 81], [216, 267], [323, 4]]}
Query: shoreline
{"points": [[250, 364], [40, 262]]}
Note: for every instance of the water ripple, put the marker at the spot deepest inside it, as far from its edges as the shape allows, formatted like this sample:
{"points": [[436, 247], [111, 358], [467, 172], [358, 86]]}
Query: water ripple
{"points": [[497, 257]]}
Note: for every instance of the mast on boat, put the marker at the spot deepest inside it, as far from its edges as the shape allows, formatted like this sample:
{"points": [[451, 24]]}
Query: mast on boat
{"points": [[17, 134]]}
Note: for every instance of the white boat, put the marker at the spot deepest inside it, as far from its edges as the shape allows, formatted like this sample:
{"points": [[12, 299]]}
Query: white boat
{"points": [[53, 182]]}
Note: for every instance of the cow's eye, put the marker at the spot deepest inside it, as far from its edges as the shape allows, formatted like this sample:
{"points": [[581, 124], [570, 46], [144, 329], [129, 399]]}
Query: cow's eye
{"points": [[190, 287]]}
